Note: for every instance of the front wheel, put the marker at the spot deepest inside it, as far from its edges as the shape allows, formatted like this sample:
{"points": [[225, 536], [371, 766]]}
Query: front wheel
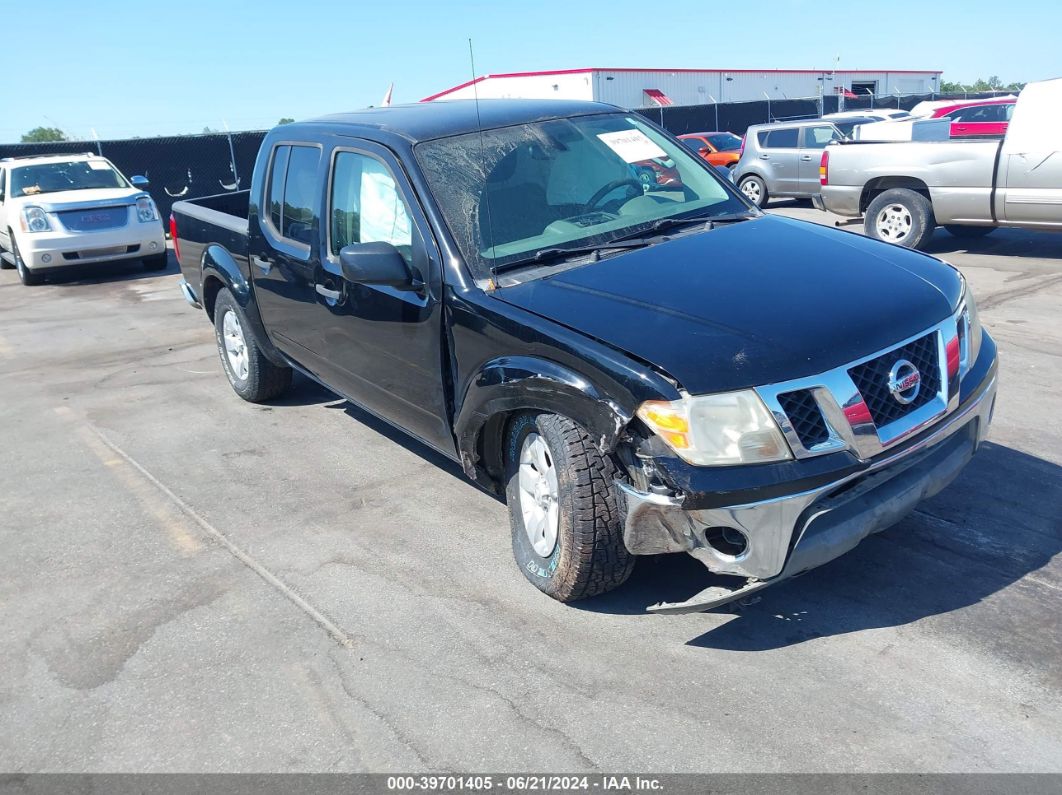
{"points": [[252, 375], [566, 529], [755, 189], [27, 276], [901, 216]]}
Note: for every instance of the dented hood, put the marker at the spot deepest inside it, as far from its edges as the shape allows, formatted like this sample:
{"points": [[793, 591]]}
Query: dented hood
{"points": [[748, 304]]}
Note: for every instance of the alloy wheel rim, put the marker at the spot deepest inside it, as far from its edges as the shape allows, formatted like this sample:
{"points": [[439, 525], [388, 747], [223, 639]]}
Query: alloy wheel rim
{"points": [[752, 190], [539, 495], [235, 344], [894, 223]]}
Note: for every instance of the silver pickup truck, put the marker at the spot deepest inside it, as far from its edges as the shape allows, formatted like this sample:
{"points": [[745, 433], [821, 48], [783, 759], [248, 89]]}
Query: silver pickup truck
{"points": [[905, 189]]}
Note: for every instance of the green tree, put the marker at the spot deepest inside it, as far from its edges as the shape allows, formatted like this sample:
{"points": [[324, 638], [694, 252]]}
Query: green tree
{"points": [[993, 83], [40, 135], [285, 120]]}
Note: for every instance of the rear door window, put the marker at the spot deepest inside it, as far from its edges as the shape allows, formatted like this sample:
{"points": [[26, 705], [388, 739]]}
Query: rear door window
{"points": [[292, 191], [785, 138]]}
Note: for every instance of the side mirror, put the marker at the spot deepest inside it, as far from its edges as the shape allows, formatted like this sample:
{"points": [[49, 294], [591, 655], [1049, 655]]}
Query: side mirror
{"points": [[704, 151], [725, 172], [140, 182], [376, 263]]}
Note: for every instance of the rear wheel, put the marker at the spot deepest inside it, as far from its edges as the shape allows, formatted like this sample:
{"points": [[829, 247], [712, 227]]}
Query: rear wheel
{"points": [[901, 216], [252, 375], [755, 189], [969, 232], [567, 536], [26, 276]]}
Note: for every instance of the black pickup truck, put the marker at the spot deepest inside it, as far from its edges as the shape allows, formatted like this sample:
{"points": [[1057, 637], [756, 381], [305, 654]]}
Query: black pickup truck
{"points": [[640, 366]]}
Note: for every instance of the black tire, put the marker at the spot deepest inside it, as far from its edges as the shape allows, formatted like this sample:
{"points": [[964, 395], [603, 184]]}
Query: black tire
{"points": [[756, 186], [913, 214], [26, 276], [263, 380], [589, 557], [159, 262], [969, 232]]}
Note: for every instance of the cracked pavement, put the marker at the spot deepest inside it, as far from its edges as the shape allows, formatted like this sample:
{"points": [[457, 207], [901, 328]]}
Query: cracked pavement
{"points": [[193, 583]]}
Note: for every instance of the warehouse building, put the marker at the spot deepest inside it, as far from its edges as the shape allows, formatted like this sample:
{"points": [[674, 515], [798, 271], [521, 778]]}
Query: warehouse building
{"points": [[641, 88]]}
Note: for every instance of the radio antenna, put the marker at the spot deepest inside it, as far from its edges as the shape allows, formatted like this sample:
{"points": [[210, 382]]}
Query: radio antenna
{"points": [[482, 149]]}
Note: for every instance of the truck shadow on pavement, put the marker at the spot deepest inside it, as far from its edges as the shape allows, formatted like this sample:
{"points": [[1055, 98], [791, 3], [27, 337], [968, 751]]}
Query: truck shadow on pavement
{"points": [[999, 522], [1024, 243]]}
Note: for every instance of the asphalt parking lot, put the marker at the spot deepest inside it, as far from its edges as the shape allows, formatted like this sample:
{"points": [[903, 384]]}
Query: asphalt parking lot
{"points": [[194, 583]]}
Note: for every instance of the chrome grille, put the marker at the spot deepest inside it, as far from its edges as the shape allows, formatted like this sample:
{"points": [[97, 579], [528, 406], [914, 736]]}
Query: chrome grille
{"points": [[872, 380], [805, 417], [94, 218]]}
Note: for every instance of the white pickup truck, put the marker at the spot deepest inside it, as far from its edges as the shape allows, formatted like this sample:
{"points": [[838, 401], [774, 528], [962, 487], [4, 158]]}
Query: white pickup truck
{"points": [[905, 189], [74, 210]]}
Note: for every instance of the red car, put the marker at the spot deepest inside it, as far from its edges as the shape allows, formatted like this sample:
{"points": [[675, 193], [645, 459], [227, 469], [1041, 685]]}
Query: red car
{"points": [[977, 119]]}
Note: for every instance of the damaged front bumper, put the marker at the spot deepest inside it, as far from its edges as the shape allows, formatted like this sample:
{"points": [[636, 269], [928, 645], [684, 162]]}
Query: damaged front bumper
{"points": [[787, 535]]}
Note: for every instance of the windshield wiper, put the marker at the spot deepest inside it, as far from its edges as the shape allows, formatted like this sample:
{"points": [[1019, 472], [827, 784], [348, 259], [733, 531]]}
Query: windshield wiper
{"points": [[709, 222], [552, 254]]}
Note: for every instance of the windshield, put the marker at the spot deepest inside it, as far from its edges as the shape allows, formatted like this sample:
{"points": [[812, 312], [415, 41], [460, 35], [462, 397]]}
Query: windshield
{"points": [[73, 175], [508, 193], [724, 142]]}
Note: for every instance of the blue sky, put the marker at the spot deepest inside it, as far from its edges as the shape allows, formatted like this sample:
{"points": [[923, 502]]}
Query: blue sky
{"points": [[124, 68]]}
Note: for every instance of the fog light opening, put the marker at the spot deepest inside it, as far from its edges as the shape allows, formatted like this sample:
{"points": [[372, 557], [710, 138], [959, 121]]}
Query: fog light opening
{"points": [[727, 541]]}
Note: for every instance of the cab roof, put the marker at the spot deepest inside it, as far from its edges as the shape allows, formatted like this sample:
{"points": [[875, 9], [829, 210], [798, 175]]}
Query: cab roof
{"points": [[424, 121]]}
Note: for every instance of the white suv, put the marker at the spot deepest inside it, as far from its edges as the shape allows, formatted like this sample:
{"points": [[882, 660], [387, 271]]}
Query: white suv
{"points": [[74, 209]]}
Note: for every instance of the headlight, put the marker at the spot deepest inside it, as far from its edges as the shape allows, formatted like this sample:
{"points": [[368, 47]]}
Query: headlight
{"points": [[717, 430], [145, 209], [34, 219], [970, 332]]}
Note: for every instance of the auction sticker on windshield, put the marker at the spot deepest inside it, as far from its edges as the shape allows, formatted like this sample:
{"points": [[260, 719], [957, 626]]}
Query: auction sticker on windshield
{"points": [[632, 145], [98, 165]]}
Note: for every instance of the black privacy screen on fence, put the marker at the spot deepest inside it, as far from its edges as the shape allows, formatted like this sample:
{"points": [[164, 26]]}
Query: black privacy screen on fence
{"points": [[183, 167], [190, 166]]}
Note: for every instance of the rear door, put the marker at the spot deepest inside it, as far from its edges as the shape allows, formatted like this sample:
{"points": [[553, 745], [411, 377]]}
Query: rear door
{"points": [[284, 262], [1033, 187], [813, 141], [779, 153]]}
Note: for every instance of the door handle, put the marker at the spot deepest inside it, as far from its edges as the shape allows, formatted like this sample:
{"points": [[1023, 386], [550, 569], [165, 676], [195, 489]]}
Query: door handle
{"points": [[263, 265], [331, 295], [806, 157], [765, 157]]}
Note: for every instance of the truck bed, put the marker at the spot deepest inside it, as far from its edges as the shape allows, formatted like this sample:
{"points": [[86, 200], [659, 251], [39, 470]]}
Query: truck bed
{"points": [[219, 220], [227, 210]]}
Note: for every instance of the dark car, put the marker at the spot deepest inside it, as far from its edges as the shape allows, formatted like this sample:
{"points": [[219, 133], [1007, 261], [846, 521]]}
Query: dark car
{"points": [[635, 369]]}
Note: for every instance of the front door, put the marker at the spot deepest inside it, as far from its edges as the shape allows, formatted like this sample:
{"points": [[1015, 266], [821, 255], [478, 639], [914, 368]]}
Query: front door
{"points": [[382, 346], [981, 121], [5, 242]]}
